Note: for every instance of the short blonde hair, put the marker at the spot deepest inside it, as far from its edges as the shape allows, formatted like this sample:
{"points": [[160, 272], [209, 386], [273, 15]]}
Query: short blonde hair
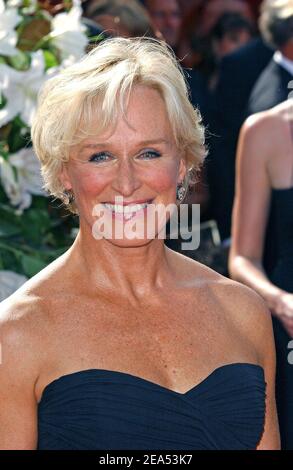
{"points": [[98, 85]]}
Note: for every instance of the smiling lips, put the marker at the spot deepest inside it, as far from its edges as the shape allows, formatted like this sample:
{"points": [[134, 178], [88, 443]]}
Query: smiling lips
{"points": [[127, 210]]}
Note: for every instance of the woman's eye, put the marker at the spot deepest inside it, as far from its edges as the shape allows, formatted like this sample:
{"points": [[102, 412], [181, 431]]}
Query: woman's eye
{"points": [[149, 155], [100, 157]]}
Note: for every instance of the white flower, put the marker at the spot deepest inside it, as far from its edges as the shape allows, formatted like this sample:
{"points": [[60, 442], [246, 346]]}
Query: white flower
{"points": [[9, 183], [14, 3], [68, 33], [9, 283], [21, 89], [29, 9], [19, 185], [28, 175], [9, 19]]}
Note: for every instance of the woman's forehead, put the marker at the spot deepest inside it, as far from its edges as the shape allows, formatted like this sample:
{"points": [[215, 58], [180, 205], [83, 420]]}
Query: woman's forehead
{"points": [[144, 116]]}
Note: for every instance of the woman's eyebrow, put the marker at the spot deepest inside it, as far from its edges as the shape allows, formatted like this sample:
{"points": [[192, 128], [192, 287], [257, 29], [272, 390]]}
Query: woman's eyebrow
{"points": [[139, 144]]}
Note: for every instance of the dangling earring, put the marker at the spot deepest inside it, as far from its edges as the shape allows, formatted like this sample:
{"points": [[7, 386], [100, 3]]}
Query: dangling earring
{"points": [[68, 196], [180, 192]]}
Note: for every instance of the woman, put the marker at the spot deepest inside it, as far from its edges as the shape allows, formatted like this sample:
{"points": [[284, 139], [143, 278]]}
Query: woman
{"points": [[122, 343], [264, 181]]}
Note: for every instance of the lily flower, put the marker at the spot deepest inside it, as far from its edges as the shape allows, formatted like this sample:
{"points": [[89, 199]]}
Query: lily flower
{"points": [[68, 33], [21, 178], [20, 89], [9, 19]]}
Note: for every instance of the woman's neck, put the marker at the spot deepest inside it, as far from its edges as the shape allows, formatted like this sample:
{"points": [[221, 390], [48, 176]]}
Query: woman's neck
{"points": [[133, 272]]}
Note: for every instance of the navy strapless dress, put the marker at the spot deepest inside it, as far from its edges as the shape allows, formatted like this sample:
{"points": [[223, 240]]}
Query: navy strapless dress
{"points": [[103, 409]]}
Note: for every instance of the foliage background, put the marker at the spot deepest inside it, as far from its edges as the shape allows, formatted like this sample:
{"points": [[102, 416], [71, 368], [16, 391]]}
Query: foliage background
{"points": [[37, 40]]}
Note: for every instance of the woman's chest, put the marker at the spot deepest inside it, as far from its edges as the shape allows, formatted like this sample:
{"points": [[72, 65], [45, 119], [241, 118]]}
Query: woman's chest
{"points": [[167, 342]]}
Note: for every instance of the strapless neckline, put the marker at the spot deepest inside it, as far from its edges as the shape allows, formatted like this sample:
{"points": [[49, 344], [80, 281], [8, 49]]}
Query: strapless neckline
{"points": [[140, 380], [95, 409]]}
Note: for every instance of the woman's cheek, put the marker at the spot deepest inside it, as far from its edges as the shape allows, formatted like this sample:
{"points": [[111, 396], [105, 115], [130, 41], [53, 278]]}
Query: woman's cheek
{"points": [[91, 184], [163, 178]]}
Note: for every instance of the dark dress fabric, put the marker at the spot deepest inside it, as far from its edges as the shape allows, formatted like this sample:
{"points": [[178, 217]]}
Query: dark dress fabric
{"points": [[282, 276], [103, 409]]}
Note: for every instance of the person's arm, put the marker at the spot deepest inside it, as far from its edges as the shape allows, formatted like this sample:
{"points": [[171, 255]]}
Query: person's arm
{"points": [[251, 318], [250, 215], [18, 406]]}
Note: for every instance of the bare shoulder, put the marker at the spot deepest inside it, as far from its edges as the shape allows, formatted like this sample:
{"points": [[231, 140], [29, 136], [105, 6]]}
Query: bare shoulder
{"points": [[260, 121], [23, 346], [242, 303], [21, 331], [25, 325], [262, 128], [190, 271], [243, 309], [26, 308], [247, 311]]}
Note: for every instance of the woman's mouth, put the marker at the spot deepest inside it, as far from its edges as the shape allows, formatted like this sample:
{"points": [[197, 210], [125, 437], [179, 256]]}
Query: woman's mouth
{"points": [[127, 211]]}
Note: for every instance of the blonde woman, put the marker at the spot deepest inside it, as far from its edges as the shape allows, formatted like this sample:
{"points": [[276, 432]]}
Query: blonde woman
{"points": [[264, 182], [122, 343]]}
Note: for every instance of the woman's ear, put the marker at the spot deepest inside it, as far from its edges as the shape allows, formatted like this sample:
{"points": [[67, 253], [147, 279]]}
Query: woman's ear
{"points": [[64, 177], [182, 170]]}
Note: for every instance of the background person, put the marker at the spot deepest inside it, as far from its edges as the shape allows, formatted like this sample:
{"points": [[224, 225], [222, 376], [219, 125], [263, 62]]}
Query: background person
{"points": [[264, 183]]}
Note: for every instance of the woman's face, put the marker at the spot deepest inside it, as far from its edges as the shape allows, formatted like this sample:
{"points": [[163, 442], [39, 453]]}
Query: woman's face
{"points": [[138, 162]]}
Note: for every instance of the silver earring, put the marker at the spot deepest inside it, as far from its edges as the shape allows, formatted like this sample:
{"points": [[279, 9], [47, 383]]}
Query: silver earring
{"points": [[180, 192], [68, 196]]}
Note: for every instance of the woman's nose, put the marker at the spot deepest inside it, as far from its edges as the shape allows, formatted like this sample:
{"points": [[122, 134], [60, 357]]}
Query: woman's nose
{"points": [[126, 180]]}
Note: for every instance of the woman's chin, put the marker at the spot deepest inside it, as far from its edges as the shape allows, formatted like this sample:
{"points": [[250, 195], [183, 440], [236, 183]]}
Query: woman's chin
{"points": [[126, 243]]}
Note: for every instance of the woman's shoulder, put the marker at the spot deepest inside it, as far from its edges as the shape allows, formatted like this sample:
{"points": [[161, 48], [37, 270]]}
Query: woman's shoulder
{"points": [[27, 324], [242, 307], [246, 311], [267, 122], [37, 290], [22, 319], [22, 339], [25, 315]]}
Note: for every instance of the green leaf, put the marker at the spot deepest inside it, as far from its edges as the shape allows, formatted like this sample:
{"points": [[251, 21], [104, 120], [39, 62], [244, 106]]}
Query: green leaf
{"points": [[4, 150], [3, 101], [97, 38], [9, 260], [8, 214], [20, 61], [31, 265], [35, 222], [50, 59], [18, 136], [7, 229]]}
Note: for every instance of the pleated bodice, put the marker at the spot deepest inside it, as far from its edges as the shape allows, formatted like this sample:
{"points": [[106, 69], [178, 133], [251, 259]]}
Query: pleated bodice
{"points": [[103, 409]]}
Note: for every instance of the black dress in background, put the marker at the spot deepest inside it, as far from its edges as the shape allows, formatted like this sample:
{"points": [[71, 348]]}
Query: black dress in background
{"points": [[282, 276]]}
